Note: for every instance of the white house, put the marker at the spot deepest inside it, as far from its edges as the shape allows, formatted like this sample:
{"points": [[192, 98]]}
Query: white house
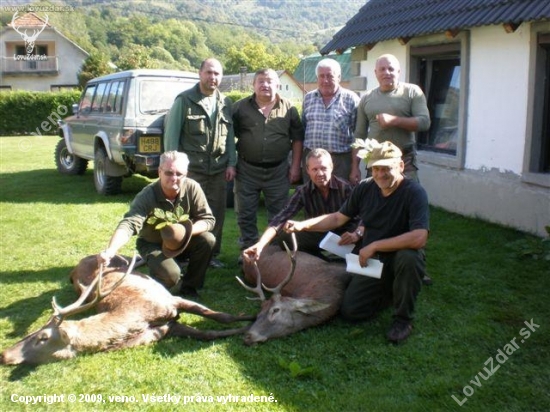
{"points": [[485, 69], [35, 56], [289, 88]]}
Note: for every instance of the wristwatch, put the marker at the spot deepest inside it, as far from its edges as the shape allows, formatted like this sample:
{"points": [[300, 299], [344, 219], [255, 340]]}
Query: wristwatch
{"points": [[359, 233]]}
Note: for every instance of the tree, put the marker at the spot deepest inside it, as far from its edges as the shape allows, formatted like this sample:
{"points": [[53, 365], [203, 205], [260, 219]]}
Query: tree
{"points": [[136, 56], [97, 64], [255, 56]]}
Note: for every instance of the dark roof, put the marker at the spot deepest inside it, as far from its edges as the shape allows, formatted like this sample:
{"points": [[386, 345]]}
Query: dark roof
{"points": [[305, 71], [380, 20]]}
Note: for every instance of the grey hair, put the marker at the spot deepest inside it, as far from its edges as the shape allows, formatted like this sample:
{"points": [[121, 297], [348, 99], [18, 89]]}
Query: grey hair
{"points": [[174, 156], [331, 64], [318, 153]]}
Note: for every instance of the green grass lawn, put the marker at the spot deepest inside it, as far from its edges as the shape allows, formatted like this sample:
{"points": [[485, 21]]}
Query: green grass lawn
{"points": [[483, 294]]}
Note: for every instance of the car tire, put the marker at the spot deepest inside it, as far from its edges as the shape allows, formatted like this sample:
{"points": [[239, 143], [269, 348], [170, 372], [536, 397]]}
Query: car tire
{"points": [[105, 184], [66, 162]]}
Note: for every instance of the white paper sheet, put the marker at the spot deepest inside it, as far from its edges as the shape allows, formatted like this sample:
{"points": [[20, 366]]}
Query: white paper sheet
{"points": [[330, 243], [373, 269]]}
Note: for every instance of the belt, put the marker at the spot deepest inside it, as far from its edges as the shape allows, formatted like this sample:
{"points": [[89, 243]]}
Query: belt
{"points": [[263, 165]]}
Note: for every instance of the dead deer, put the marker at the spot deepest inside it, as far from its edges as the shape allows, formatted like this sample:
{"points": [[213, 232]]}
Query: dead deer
{"points": [[133, 310], [306, 291]]}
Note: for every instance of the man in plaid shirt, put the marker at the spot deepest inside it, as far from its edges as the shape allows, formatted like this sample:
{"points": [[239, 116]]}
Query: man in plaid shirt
{"points": [[323, 193], [329, 116]]}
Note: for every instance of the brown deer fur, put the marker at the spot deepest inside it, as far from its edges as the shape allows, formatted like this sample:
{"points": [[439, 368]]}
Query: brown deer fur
{"points": [[139, 311], [312, 296]]}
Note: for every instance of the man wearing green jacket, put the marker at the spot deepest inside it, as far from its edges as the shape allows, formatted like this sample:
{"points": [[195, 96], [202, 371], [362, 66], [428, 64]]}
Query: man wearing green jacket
{"points": [[172, 191], [200, 125]]}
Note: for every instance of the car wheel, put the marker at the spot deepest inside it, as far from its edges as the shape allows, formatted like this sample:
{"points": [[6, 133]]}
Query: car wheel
{"points": [[66, 162], [105, 184]]}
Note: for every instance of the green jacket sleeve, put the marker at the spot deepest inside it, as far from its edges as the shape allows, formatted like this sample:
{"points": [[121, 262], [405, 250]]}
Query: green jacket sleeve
{"points": [[174, 124]]}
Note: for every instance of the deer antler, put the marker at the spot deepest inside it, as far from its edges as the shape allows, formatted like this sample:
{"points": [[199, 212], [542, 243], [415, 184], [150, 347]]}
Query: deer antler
{"points": [[79, 306], [24, 35], [277, 289], [258, 289]]}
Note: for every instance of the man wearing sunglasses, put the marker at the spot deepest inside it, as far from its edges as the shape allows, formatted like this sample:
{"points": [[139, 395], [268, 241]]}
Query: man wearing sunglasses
{"points": [[171, 192]]}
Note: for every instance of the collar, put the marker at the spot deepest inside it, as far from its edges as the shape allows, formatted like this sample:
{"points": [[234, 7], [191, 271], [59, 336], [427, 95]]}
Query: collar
{"points": [[332, 184]]}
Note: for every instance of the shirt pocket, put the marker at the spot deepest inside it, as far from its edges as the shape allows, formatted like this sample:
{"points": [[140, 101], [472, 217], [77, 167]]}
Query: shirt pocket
{"points": [[342, 120], [196, 124]]}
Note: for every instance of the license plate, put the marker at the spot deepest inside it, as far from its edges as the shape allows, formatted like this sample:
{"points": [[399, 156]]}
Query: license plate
{"points": [[149, 144]]}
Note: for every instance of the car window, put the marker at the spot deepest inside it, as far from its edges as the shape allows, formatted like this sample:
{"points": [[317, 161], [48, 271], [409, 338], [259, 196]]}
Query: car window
{"points": [[157, 95], [96, 103], [104, 107], [86, 102], [114, 100]]}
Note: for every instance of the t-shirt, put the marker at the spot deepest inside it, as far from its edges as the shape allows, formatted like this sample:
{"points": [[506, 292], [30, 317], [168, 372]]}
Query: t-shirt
{"points": [[404, 210]]}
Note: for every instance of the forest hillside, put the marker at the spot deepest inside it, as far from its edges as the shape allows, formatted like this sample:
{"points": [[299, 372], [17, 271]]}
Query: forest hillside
{"points": [[181, 33]]}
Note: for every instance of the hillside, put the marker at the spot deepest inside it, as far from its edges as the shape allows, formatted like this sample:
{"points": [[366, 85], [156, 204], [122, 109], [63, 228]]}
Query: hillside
{"points": [[181, 33]]}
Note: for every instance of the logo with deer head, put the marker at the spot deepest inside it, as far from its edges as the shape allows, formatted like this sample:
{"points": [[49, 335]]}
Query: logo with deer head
{"points": [[29, 39]]}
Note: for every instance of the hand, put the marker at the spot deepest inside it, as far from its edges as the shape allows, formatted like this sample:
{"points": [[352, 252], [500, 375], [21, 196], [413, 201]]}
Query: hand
{"points": [[104, 257], [349, 238], [385, 120], [252, 253], [294, 174], [230, 173], [366, 253], [292, 226], [355, 175]]}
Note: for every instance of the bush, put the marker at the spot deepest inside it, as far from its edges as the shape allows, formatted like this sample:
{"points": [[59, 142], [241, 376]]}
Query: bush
{"points": [[36, 113]]}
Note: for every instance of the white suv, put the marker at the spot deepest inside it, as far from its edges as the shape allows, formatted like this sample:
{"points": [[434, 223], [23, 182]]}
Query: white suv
{"points": [[119, 124]]}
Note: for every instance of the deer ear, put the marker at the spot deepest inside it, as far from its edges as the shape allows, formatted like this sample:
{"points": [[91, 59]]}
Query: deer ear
{"points": [[308, 306]]}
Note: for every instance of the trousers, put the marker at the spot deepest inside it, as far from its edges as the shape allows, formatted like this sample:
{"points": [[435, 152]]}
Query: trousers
{"points": [[250, 183], [399, 286], [215, 189], [167, 271]]}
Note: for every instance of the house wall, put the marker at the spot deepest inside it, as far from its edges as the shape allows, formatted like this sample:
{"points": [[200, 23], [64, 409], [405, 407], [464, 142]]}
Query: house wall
{"points": [[488, 184], [499, 70], [69, 61], [294, 92]]}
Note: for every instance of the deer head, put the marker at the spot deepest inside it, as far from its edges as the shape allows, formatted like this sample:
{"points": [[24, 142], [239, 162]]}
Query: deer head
{"points": [[280, 315], [29, 40], [52, 342]]}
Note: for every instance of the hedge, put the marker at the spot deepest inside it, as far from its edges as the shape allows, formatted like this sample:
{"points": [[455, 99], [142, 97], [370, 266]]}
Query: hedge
{"points": [[25, 112], [36, 113]]}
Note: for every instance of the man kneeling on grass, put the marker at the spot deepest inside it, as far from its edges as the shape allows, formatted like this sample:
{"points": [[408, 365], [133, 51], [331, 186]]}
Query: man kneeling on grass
{"points": [[395, 213]]}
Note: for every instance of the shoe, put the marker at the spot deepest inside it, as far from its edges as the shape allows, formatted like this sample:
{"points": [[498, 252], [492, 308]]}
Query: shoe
{"points": [[216, 264], [189, 292], [399, 331], [427, 281]]}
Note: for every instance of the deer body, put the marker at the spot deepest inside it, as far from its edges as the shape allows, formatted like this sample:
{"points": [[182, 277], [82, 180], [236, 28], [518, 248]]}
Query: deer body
{"points": [[136, 311], [307, 292]]}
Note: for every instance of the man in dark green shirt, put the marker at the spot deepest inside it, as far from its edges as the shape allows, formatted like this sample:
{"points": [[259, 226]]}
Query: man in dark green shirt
{"points": [[268, 128]]}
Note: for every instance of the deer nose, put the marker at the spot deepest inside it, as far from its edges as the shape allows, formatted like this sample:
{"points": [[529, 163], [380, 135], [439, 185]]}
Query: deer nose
{"points": [[251, 338]]}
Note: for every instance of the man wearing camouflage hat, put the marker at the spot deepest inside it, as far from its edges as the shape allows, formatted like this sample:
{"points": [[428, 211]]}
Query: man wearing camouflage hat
{"points": [[395, 213]]}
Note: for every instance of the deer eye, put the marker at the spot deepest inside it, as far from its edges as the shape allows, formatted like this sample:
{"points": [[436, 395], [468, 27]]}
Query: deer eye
{"points": [[42, 337], [276, 310]]}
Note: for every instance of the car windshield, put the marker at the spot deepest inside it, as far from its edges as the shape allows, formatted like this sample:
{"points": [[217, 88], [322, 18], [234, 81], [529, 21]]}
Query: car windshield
{"points": [[157, 95]]}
